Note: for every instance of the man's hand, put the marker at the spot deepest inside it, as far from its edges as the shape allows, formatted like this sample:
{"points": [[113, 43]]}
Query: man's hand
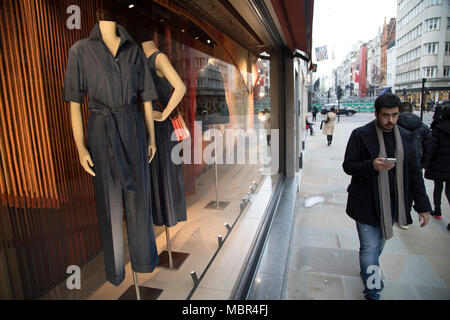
{"points": [[423, 218], [379, 164]]}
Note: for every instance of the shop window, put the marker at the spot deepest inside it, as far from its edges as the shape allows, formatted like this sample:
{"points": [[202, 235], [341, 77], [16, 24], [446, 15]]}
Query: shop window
{"points": [[48, 203]]}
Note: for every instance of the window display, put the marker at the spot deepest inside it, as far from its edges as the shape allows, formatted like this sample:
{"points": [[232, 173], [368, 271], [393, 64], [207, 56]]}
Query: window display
{"points": [[103, 94]]}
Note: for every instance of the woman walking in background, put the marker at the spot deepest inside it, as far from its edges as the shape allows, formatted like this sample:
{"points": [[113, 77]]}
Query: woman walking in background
{"points": [[328, 127], [439, 168]]}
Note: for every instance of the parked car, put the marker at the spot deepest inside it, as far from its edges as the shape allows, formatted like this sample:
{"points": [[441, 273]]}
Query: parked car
{"points": [[348, 111], [326, 108]]}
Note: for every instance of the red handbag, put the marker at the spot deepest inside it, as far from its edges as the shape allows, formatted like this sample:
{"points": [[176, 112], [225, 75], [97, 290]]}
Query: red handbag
{"points": [[179, 126]]}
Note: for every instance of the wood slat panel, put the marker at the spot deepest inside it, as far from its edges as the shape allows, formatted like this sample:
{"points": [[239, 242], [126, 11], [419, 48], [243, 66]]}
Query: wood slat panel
{"points": [[48, 217]]}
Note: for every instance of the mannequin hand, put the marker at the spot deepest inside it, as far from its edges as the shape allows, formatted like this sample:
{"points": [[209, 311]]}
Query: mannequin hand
{"points": [[423, 218], [158, 116], [151, 151], [86, 161]]}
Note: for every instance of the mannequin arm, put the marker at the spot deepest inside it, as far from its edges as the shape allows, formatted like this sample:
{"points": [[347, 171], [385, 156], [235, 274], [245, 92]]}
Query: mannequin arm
{"points": [[78, 134], [163, 64], [151, 129]]}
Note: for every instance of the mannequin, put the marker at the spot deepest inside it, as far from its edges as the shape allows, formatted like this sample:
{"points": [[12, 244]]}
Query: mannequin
{"points": [[120, 141], [165, 69], [108, 30], [168, 199]]}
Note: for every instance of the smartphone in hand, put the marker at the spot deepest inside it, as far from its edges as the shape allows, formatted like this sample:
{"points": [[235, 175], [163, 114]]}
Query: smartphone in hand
{"points": [[391, 160]]}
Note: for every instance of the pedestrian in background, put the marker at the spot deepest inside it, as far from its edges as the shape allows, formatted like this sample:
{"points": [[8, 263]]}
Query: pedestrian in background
{"points": [[381, 191], [309, 126], [439, 168], [328, 127], [436, 115], [423, 140], [314, 113]]}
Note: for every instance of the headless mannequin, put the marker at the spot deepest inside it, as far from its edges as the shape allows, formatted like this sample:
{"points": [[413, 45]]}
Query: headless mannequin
{"points": [[109, 36], [165, 69]]}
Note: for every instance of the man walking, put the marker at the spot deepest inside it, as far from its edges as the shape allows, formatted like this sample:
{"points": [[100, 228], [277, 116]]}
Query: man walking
{"points": [[422, 138], [386, 177], [314, 113]]}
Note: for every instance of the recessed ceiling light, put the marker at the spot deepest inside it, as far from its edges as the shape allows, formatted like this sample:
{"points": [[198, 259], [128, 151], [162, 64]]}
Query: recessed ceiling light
{"points": [[182, 30], [209, 41], [130, 5], [196, 38], [162, 20]]}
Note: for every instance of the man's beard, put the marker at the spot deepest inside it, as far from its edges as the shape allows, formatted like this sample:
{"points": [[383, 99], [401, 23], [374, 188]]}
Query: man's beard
{"points": [[387, 128]]}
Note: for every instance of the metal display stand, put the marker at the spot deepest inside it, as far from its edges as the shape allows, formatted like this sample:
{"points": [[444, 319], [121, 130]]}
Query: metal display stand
{"points": [[217, 205], [171, 259], [137, 292]]}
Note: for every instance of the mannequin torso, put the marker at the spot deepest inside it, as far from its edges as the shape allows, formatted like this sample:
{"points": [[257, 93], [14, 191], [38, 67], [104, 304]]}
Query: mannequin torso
{"points": [[164, 68], [150, 48]]}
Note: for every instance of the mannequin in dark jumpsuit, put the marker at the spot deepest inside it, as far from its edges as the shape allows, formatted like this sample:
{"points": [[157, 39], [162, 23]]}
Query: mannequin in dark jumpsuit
{"points": [[117, 141]]}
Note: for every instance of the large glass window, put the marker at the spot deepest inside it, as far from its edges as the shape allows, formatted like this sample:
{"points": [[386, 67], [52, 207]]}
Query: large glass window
{"points": [[48, 218]]}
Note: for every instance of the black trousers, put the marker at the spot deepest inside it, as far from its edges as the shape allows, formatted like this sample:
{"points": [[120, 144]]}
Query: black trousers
{"points": [[117, 141], [437, 192]]}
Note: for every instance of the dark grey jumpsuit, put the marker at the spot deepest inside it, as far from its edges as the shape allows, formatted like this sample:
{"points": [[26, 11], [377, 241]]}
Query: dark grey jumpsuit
{"points": [[117, 141]]}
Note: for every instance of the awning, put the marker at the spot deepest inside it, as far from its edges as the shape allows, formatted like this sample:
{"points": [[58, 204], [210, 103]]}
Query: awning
{"points": [[384, 90], [296, 18]]}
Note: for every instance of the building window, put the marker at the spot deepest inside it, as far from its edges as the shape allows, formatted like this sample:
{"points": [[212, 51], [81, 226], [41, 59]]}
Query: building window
{"points": [[430, 48], [448, 23], [411, 15], [432, 24], [429, 72], [433, 2], [447, 48], [446, 72], [408, 76]]}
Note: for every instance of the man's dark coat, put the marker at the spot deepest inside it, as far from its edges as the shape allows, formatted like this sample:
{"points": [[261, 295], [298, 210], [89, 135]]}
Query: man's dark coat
{"points": [[363, 203]]}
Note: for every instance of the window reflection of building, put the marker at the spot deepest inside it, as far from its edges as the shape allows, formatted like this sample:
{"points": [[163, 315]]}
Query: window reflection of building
{"points": [[212, 107]]}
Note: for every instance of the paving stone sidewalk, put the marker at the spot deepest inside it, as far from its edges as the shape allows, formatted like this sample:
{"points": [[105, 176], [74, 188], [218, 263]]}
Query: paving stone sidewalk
{"points": [[324, 261]]}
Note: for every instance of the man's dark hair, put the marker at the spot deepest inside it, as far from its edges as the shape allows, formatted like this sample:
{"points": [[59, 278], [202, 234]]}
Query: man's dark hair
{"points": [[387, 100], [332, 109], [406, 107], [445, 113]]}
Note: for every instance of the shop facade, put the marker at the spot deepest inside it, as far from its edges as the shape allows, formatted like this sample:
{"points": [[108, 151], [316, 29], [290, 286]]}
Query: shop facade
{"points": [[252, 73]]}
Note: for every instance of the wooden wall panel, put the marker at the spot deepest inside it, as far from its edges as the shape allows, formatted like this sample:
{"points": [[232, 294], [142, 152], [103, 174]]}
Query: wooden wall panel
{"points": [[48, 219]]}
